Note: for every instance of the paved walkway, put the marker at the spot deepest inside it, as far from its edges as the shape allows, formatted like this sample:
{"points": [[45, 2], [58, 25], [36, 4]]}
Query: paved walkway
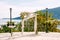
{"points": [[30, 36]]}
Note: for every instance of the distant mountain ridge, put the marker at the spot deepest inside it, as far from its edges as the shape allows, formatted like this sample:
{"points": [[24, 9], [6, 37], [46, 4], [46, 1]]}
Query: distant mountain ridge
{"points": [[55, 11], [16, 18]]}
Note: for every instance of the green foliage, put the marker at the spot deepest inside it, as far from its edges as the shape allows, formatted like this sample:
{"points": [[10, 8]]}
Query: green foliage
{"points": [[29, 24], [5, 28], [22, 14]]}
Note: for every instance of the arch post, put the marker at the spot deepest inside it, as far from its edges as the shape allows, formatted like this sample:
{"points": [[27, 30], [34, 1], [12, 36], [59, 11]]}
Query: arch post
{"points": [[35, 25], [22, 26]]}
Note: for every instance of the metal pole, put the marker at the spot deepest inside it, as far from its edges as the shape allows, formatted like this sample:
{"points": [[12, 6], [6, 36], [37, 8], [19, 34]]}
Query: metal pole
{"points": [[11, 20], [10, 15], [46, 20]]}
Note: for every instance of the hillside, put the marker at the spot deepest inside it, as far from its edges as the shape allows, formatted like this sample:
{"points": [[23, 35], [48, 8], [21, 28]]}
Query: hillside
{"points": [[54, 11]]}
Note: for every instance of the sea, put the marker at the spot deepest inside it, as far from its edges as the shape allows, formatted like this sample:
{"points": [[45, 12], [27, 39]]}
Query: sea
{"points": [[4, 21]]}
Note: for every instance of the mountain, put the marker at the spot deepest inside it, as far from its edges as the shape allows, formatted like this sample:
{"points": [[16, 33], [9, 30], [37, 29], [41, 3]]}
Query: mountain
{"points": [[55, 12], [16, 18]]}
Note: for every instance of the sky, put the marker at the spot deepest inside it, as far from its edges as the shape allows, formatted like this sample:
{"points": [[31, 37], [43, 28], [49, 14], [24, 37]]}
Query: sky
{"points": [[19, 6]]}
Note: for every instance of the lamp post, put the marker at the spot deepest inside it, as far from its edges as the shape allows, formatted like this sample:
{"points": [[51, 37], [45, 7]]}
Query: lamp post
{"points": [[46, 20], [10, 23]]}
